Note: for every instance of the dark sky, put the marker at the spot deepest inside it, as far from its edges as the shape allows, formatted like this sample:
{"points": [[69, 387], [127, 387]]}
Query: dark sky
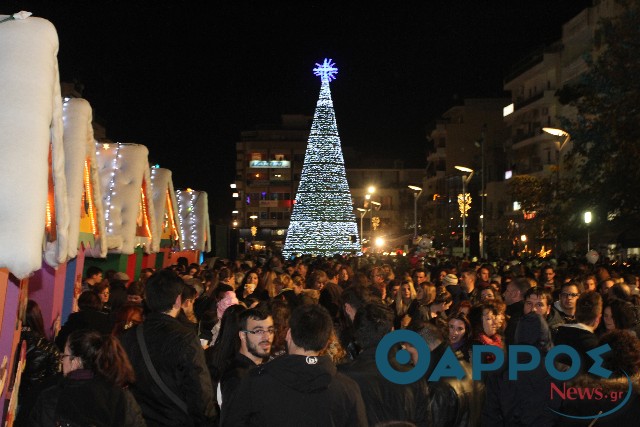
{"points": [[184, 78]]}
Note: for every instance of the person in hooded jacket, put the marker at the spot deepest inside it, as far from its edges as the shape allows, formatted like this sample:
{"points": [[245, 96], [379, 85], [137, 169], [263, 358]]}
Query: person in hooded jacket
{"points": [[301, 388], [384, 400]]}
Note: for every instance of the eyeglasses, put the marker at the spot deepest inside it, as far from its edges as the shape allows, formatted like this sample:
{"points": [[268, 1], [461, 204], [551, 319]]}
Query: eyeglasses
{"points": [[261, 332], [569, 295]]}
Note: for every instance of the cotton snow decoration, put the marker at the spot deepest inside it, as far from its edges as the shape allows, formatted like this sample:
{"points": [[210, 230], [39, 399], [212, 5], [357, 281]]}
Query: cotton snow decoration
{"points": [[31, 123]]}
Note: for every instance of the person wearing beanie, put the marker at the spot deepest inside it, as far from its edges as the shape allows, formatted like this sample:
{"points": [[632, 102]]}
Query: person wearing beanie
{"points": [[450, 282]]}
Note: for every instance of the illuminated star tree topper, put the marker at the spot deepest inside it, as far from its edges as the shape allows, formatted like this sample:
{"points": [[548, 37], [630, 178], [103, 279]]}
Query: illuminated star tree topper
{"points": [[326, 70]]}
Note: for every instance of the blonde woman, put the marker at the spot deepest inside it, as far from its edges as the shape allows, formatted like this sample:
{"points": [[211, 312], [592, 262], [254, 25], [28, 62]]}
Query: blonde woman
{"points": [[281, 282], [406, 296], [266, 289]]}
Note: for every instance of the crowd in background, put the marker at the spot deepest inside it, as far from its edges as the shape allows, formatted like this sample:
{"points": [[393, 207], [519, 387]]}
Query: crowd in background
{"points": [[262, 341]]}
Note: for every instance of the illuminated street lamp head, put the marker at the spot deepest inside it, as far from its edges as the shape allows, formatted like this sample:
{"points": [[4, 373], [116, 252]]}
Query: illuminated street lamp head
{"points": [[363, 210], [371, 189], [376, 203], [379, 242], [555, 131], [464, 169], [587, 217], [415, 187], [327, 70], [254, 217]]}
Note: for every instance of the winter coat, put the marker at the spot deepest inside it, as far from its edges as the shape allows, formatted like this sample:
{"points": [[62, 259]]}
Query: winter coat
{"points": [[296, 390], [177, 356], [237, 370], [454, 402], [385, 400], [41, 370], [579, 339], [82, 399], [518, 403]]}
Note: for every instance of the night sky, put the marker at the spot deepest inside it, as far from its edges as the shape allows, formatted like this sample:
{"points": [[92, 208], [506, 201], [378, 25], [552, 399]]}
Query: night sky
{"points": [[184, 78]]}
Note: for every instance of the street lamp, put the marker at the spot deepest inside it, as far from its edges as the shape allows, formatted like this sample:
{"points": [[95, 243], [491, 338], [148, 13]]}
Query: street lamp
{"points": [[559, 146], [417, 192], [587, 220], [376, 206], [363, 212], [465, 181]]}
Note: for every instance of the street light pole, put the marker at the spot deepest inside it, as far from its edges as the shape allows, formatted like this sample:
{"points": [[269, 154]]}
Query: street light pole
{"points": [[465, 181], [363, 212], [587, 220], [417, 192]]}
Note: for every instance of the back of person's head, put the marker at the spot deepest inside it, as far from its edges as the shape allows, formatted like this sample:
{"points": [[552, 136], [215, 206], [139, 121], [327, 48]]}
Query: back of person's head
{"points": [[588, 307], [429, 332], [620, 291], [126, 317], [310, 327], [225, 274], [103, 355], [625, 314], [356, 296], [372, 322], [533, 330], [33, 318], [522, 284], [93, 270], [89, 300], [442, 295], [189, 293], [220, 290], [624, 357], [162, 289]]}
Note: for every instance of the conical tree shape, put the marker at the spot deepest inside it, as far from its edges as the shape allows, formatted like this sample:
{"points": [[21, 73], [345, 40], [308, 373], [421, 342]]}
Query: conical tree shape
{"points": [[323, 221]]}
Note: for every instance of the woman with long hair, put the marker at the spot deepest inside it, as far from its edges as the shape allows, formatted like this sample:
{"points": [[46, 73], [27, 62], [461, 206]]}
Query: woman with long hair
{"points": [[42, 364], [459, 334], [248, 285], [406, 296], [225, 347], [96, 371]]}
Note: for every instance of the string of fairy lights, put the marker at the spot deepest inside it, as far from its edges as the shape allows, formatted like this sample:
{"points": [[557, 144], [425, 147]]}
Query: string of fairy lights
{"points": [[189, 219], [112, 183], [323, 221]]}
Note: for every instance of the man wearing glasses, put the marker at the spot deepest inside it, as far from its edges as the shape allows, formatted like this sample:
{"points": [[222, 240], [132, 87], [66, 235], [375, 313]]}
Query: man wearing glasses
{"points": [[256, 336], [566, 305], [302, 388]]}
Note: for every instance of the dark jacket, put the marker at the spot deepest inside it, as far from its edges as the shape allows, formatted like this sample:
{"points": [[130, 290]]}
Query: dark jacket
{"points": [[80, 399], [514, 312], [237, 370], [41, 370], [454, 402], [178, 358], [522, 402], [84, 319], [579, 339], [385, 400], [296, 391]]}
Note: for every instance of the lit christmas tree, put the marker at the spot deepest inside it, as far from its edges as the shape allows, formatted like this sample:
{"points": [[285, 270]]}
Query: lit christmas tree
{"points": [[323, 221]]}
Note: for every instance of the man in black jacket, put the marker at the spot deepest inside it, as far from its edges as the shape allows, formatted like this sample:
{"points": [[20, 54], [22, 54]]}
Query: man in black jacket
{"points": [[300, 389], [176, 355], [256, 336], [384, 400]]}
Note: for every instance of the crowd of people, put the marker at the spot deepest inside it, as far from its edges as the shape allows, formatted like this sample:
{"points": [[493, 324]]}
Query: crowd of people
{"points": [[265, 342]]}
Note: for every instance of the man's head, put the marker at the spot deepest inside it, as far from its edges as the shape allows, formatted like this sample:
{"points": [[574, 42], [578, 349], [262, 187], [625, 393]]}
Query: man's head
{"points": [[468, 277], [378, 277], [604, 286], [484, 274], [419, 276], [515, 290], [302, 269], [256, 334], [163, 292], [538, 300], [548, 275], [94, 274], [569, 294], [372, 322], [589, 309], [310, 329]]}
